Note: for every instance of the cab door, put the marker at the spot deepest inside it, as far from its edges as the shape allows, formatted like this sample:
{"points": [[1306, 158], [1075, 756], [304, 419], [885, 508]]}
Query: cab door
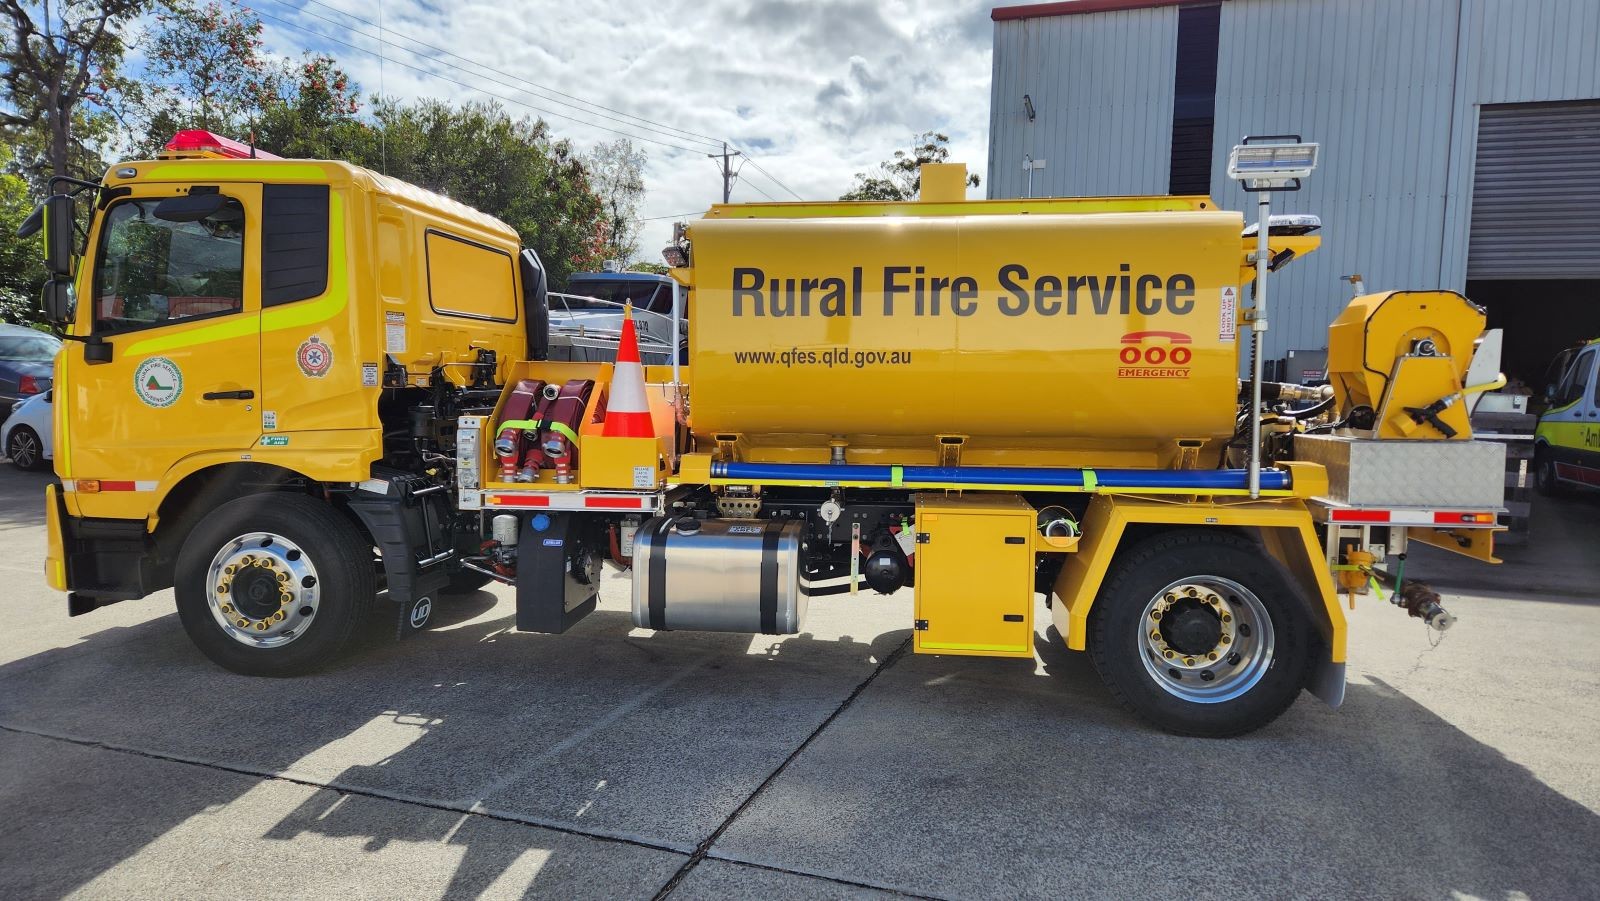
{"points": [[175, 306], [1570, 429]]}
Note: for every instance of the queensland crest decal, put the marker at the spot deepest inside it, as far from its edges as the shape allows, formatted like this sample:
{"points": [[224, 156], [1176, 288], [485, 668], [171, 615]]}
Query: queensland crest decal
{"points": [[314, 357], [159, 382]]}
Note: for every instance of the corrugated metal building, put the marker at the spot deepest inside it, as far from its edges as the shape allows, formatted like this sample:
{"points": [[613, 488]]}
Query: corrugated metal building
{"points": [[1460, 138]]}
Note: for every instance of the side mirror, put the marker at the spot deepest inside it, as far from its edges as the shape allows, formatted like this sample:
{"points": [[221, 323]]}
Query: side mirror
{"points": [[536, 304], [189, 207], [56, 218], [57, 301]]}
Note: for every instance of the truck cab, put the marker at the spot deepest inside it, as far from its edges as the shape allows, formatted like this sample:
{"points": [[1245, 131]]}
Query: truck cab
{"points": [[240, 328], [1567, 441]]}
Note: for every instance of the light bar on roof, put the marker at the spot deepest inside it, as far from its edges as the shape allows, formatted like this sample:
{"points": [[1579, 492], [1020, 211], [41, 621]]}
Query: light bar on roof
{"points": [[198, 140]]}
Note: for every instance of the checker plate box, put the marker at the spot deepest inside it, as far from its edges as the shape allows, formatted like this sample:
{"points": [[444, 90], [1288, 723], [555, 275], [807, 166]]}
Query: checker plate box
{"points": [[1365, 472]]}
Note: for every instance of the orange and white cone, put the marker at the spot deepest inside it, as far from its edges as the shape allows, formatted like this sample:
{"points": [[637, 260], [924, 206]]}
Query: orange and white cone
{"points": [[628, 410]]}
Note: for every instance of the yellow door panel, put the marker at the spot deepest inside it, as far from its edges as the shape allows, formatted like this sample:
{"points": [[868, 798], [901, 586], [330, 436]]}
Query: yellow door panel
{"points": [[178, 304], [974, 576]]}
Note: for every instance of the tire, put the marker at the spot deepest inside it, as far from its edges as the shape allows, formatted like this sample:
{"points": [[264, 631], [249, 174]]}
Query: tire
{"points": [[1191, 675], [278, 623], [1544, 476], [464, 581], [25, 449]]}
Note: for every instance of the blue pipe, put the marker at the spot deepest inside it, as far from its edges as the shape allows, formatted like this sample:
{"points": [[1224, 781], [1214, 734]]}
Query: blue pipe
{"points": [[1177, 479]]}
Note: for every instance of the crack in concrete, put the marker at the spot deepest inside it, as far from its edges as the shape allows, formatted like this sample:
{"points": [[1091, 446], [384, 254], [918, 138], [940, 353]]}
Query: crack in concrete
{"points": [[695, 855], [703, 850]]}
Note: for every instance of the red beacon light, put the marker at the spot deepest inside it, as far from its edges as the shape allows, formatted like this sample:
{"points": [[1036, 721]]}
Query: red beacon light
{"points": [[200, 142]]}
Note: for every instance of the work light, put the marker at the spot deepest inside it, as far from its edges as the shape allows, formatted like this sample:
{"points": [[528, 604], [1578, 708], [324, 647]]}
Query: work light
{"points": [[1262, 164], [1267, 166]]}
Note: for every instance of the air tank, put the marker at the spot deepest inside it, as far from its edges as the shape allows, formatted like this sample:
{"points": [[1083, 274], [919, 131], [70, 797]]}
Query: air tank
{"points": [[1022, 331]]}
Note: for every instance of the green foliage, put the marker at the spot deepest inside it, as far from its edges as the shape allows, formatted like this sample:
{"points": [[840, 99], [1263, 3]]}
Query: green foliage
{"points": [[60, 82], [647, 266], [207, 70], [509, 168], [21, 269], [900, 176]]}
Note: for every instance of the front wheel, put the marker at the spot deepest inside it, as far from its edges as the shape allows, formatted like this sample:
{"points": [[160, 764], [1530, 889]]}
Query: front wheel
{"points": [[274, 584], [1200, 633]]}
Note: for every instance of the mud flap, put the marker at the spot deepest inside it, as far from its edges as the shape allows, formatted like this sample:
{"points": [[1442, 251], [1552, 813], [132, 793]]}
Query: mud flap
{"points": [[413, 617], [1327, 681]]}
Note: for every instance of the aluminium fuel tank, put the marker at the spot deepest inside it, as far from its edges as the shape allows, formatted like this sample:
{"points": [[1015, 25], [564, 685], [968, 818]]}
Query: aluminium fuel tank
{"points": [[1032, 330]]}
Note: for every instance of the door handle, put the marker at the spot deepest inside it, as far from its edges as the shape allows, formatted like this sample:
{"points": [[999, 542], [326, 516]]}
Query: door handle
{"points": [[246, 394]]}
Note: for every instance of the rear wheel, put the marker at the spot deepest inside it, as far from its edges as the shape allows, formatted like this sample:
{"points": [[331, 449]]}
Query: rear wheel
{"points": [[25, 449], [1200, 633], [274, 584]]}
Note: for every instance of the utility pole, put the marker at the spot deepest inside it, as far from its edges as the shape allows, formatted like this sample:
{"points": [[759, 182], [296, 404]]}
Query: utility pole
{"points": [[727, 173]]}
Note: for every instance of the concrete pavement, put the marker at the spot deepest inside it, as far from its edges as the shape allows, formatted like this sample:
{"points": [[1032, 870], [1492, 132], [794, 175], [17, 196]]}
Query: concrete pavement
{"points": [[610, 762]]}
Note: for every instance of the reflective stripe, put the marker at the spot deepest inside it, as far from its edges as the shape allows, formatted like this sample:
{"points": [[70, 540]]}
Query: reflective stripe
{"points": [[1090, 481], [112, 484], [287, 316], [242, 170], [1414, 517], [897, 475]]}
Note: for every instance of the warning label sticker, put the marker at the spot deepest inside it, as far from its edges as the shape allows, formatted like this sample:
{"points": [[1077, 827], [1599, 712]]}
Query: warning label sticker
{"points": [[1227, 326], [394, 332], [644, 477]]}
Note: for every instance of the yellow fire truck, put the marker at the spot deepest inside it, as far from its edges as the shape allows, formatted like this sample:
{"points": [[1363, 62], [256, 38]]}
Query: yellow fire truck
{"points": [[293, 383]]}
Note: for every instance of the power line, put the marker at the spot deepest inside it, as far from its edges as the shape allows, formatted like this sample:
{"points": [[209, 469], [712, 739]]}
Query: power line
{"points": [[673, 216], [469, 87], [773, 177], [382, 42], [682, 132], [515, 87]]}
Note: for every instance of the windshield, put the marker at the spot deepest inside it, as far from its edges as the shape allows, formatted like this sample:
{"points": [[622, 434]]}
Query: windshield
{"points": [[28, 348], [152, 272], [644, 295]]}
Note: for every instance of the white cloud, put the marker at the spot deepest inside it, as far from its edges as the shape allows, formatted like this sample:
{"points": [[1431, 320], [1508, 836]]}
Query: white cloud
{"points": [[816, 89]]}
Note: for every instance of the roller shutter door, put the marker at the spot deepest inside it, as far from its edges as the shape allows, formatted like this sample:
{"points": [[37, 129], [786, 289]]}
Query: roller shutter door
{"points": [[1536, 192]]}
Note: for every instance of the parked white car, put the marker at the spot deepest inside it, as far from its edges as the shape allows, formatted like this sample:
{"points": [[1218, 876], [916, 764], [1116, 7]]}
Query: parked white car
{"points": [[27, 432]]}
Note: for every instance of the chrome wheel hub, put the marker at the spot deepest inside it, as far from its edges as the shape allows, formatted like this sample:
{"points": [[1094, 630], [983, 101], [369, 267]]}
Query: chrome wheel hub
{"points": [[262, 590], [1206, 639]]}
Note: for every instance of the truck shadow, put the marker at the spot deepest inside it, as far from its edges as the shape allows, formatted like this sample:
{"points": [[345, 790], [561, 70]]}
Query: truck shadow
{"points": [[648, 740]]}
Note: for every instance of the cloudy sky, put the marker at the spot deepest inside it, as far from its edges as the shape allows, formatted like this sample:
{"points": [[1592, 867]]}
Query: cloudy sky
{"points": [[813, 90]]}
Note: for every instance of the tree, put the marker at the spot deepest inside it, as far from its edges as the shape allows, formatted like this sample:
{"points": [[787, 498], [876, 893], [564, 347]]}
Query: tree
{"points": [[900, 176], [208, 71], [311, 111], [508, 168], [205, 68], [21, 270], [647, 266], [616, 171], [55, 66]]}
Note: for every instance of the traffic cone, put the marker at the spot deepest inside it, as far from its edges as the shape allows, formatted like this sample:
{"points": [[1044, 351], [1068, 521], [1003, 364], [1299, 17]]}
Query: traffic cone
{"points": [[628, 410]]}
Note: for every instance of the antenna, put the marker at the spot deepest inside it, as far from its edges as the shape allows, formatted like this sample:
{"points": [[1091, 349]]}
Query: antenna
{"points": [[383, 144]]}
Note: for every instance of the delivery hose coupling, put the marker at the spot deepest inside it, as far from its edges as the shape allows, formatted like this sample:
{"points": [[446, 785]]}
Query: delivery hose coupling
{"points": [[1423, 603]]}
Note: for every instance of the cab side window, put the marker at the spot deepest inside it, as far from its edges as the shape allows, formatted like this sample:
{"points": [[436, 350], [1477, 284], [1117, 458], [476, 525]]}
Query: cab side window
{"points": [[153, 272]]}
